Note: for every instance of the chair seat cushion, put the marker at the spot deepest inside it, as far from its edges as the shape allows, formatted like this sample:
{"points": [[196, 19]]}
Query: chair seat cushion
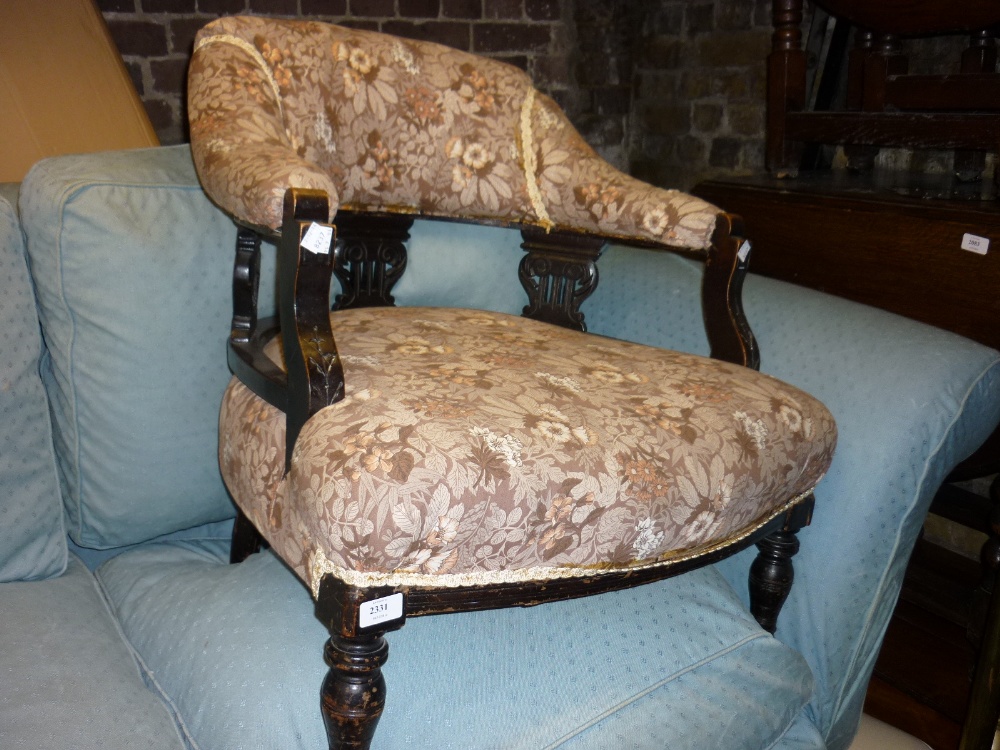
{"points": [[477, 447]]}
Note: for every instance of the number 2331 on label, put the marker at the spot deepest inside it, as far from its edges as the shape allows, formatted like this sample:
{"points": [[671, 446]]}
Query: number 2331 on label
{"points": [[381, 610]]}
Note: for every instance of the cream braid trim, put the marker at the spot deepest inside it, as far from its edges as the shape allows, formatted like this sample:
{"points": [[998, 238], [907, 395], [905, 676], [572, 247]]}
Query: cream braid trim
{"points": [[530, 162]]}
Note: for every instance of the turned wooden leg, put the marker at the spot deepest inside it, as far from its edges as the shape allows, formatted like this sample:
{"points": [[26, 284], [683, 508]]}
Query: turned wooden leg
{"points": [[353, 693], [771, 576]]}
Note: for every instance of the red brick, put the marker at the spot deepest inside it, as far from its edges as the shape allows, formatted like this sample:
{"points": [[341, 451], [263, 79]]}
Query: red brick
{"points": [[612, 100], [168, 6], [161, 114], [452, 34], [378, 8], [419, 8], [518, 61], [510, 37], [143, 38], [504, 9], [324, 7], [593, 69], [275, 7], [543, 10], [169, 75], [462, 8], [220, 7], [593, 12], [363, 25], [135, 73], [552, 70], [116, 6], [561, 98], [182, 32]]}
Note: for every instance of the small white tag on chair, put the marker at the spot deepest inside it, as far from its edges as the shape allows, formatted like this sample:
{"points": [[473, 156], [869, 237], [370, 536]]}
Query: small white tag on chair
{"points": [[744, 250], [975, 244], [381, 610], [318, 238]]}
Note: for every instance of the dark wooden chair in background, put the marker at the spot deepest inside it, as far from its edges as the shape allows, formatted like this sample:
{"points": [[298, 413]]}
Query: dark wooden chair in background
{"points": [[884, 104], [924, 245]]}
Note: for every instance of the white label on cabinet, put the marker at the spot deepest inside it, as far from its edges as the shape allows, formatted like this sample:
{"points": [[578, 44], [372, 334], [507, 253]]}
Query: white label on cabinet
{"points": [[381, 610], [317, 239], [975, 244]]}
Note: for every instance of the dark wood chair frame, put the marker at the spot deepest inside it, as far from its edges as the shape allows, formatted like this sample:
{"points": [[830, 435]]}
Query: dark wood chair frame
{"points": [[368, 256], [885, 105]]}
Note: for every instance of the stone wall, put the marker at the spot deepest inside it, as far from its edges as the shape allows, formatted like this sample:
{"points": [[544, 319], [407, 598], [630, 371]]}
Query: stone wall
{"points": [[699, 87]]}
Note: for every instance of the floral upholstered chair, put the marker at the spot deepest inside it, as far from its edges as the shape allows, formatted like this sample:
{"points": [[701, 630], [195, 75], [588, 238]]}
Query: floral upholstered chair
{"points": [[409, 461]]}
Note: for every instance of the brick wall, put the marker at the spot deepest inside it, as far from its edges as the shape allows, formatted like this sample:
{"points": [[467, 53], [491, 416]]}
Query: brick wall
{"points": [[155, 37]]}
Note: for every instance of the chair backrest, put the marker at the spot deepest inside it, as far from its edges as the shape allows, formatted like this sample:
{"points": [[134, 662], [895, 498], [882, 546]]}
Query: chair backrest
{"points": [[386, 124], [885, 104]]}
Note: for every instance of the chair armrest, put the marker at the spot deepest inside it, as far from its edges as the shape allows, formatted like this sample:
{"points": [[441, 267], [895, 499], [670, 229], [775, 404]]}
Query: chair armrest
{"points": [[245, 156], [315, 374]]}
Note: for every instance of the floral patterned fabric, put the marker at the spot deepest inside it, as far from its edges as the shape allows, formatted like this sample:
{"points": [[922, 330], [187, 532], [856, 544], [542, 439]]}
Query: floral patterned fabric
{"points": [[476, 448], [381, 123]]}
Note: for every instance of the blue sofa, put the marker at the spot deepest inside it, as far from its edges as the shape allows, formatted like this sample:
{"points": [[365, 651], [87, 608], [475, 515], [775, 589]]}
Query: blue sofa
{"points": [[122, 625]]}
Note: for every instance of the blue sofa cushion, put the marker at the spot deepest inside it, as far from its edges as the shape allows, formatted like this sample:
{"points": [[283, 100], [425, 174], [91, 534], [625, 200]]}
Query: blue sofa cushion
{"points": [[133, 269], [237, 651], [67, 678], [32, 538]]}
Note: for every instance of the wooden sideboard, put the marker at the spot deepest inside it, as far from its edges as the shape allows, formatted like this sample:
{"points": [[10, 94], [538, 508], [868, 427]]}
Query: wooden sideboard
{"points": [[886, 246]]}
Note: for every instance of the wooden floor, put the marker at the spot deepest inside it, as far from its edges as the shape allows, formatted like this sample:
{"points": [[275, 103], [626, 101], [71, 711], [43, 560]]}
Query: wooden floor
{"points": [[921, 679]]}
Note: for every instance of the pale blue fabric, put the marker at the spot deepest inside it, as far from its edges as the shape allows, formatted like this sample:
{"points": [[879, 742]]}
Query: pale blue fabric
{"points": [[219, 532], [133, 270], [236, 651], [67, 677], [32, 538]]}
